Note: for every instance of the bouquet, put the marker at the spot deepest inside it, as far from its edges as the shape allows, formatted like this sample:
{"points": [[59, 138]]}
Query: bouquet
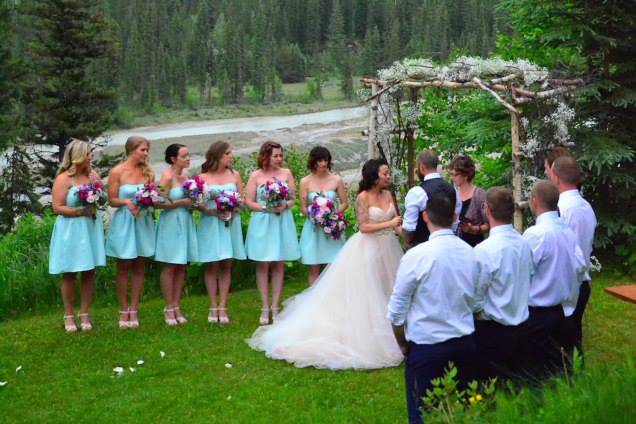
{"points": [[227, 201], [322, 212], [147, 196], [92, 195], [276, 193], [195, 189]]}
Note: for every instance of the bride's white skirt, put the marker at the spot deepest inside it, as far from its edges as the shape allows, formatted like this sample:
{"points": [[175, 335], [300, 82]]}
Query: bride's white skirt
{"points": [[341, 322]]}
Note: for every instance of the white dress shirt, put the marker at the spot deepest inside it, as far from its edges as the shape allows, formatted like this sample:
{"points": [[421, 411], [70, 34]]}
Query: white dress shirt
{"points": [[504, 269], [580, 217], [415, 203], [434, 290], [558, 261]]}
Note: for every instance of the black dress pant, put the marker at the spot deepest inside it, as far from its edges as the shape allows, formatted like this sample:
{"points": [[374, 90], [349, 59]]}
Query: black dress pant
{"points": [[547, 339], [500, 349]]}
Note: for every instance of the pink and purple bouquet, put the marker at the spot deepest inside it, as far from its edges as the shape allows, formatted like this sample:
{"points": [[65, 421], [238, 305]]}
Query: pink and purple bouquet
{"points": [[147, 196], [322, 212], [195, 189], [227, 201], [92, 195], [276, 193], [336, 225]]}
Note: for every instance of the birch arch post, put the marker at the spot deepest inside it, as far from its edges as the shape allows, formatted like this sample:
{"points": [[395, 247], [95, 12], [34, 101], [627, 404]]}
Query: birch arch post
{"points": [[511, 83]]}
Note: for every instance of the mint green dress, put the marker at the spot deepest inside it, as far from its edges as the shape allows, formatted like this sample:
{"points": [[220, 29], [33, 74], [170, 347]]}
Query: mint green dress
{"points": [[215, 240], [316, 247], [130, 237], [270, 236], [176, 235], [77, 243]]}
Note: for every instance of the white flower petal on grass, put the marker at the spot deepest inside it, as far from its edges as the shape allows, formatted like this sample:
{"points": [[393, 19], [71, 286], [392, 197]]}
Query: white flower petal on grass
{"points": [[228, 365], [132, 369], [229, 398], [140, 362], [118, 370], [19, 368], [3, 383], [162, 353]]}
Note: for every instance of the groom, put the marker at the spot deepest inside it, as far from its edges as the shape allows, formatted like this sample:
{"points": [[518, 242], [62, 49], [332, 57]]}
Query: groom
{"points": [[433, 298]]}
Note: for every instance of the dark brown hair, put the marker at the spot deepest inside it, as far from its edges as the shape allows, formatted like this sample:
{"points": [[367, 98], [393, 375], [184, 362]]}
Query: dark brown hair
{"points": [[172, 151], [501, 203], [428, 159], [265, 153], [566, 168], [370, 174], [463, 165], [557, 152], [441, 206], [213, 156], [317, 154], [547, 193]]}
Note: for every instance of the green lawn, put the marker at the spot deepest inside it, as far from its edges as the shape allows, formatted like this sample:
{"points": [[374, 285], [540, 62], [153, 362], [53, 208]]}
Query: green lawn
{"points": [[70, 378]]}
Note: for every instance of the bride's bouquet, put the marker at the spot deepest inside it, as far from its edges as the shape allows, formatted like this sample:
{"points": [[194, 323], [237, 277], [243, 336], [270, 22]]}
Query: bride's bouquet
{"points": [[195, 189], [227, 201], [92, 196], [147, 196], [322, 212], [276, 193]]}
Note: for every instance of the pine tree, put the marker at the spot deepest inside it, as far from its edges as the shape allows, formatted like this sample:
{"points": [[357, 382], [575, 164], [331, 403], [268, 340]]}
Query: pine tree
{"points": [[68, 37], [371, 55]]}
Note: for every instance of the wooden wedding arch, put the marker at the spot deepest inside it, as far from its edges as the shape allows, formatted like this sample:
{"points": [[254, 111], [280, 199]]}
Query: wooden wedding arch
{"points": [[512, 84]]}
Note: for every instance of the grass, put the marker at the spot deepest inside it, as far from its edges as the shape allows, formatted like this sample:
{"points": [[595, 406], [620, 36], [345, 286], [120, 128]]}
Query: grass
{"points": [[70, 378]]}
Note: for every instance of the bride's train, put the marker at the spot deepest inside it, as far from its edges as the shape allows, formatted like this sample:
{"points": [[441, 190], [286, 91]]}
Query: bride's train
{"points": [[340, 322]]}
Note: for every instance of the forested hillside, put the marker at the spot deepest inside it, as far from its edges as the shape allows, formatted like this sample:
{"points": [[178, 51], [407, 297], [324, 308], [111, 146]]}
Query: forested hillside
{"points": [[234, 49]]}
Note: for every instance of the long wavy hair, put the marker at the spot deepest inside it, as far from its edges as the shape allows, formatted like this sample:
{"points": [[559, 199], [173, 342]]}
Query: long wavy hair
{"points": [[370, 171], [213, 156], [133, 144], [75, 154]]}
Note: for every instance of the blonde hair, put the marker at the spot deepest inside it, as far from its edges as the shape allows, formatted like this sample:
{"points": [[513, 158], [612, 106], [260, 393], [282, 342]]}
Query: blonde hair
{"points": [[132, 144], [75, 154]]}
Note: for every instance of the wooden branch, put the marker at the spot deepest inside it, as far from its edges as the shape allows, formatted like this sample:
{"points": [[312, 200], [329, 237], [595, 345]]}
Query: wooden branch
{"points": [[379, 93], [505, 79], [507, 105]]}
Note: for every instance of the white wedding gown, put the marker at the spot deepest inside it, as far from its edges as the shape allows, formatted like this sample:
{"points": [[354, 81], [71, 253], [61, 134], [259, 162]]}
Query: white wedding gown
{"points": [[340, 322]]}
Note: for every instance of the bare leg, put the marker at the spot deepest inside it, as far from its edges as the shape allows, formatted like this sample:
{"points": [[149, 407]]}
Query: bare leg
{"points": [[278, 275], [262, 271], [314, 272], [211, 284], [123, 266], [68, 296], [137, 280], [86, 294], [225, 279], [167, 283], [177, 291]]}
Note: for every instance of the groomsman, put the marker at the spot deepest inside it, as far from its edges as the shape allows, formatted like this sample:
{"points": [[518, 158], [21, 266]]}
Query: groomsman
{"points": [[579, 216], [413, 225], [558, 269], [504, 270], [431, 307]]}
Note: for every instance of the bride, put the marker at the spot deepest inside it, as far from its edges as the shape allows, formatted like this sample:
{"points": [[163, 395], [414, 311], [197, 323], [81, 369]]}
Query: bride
{"points": [[340, 322]]}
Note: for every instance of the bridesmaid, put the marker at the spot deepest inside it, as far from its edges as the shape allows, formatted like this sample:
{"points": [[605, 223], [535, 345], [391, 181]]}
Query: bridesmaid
{"points": [[131, 236], [219, 243], [77, 243], [316, 248], [271, 235], [176, 243]]}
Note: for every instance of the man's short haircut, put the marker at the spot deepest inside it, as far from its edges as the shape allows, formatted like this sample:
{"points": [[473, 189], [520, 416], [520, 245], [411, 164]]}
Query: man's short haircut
{"points": [[501, 203], [557, 152], [441, 206], [567, 169], [547, 193], [428, 159]]}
